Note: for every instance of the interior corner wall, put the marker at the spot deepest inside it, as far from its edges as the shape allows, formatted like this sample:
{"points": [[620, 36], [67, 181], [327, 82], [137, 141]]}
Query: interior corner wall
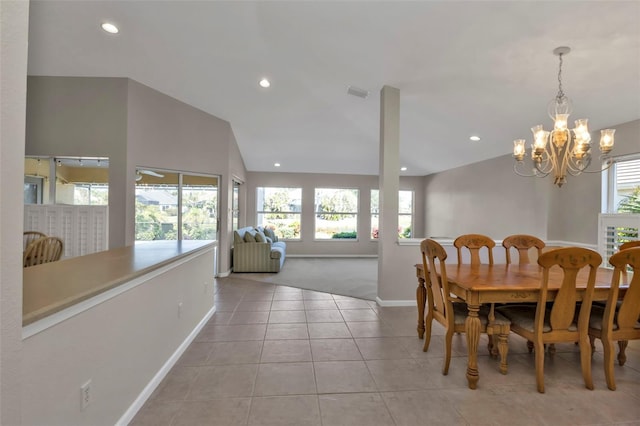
{"points": [[485, 198], [574, 208], [82, 117], [165, 133], [14, 28]]}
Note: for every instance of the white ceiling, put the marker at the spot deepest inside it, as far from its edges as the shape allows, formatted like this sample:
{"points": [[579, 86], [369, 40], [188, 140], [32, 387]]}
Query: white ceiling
{"points": [[462, 68]]}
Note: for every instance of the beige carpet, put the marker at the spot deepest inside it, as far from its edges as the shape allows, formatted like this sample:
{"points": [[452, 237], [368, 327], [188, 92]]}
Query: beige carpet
{"points": [[355, 277]]}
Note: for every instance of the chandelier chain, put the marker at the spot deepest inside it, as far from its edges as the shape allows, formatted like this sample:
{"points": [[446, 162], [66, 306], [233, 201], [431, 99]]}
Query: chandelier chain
{"points": [[560, 94]]}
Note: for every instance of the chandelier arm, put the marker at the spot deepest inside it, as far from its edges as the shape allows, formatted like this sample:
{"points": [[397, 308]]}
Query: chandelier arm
{"points": [[536, 172], [606, 164]]}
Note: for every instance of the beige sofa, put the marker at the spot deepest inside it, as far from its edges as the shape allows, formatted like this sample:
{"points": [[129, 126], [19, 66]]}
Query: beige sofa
{"points": [[257, 250]]}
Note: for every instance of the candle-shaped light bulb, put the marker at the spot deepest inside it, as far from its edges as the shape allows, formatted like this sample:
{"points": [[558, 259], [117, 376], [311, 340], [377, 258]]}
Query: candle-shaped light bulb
{"points": [[518, 149], [606, 140], [561, 122]]}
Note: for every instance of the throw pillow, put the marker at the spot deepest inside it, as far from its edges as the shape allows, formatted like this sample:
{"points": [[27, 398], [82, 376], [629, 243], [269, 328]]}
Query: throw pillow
{"points": [[237, 239], [260, 238], [248, 238], [269, 240], [269, 233]]}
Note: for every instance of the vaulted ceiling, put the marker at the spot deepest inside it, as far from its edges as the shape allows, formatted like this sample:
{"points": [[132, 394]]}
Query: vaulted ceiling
{"points": [[463, 68]]}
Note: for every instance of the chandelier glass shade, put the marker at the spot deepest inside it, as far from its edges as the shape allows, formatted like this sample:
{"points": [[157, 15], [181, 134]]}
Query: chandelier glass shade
{"points": [[561, 150]]}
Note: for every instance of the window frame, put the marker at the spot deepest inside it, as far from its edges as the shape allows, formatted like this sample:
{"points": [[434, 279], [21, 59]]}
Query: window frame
{"points": [[609, 183], [377, 213]]}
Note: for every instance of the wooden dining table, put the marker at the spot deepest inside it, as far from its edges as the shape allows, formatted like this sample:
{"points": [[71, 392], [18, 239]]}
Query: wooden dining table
{"points": [[500, 283]]}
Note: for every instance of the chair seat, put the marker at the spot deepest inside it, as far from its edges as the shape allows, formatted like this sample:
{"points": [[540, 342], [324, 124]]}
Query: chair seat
{"points": [[524, 316], [597, 314]]}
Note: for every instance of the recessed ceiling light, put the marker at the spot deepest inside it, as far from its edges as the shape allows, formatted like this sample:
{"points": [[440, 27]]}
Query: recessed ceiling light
{"points": [[110, 28], [264, 83], [403, 169], [276, 164], [475, 138]]}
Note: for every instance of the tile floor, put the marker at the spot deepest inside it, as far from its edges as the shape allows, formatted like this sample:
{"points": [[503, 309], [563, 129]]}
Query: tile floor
{"points": [[276, 355]]}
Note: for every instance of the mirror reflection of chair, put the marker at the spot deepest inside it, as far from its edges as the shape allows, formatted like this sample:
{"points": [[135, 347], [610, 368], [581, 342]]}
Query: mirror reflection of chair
{"points": [[450, 311], [618, 319], [522, 243], [565, 320], [30, 236], [43, 250]]}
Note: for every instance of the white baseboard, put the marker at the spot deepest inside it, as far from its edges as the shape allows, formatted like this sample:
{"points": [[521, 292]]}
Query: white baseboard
{"points": [[395, 302], [223, 274], [164, 370]]}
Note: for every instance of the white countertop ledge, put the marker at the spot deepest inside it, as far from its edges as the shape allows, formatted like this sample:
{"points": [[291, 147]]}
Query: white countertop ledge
{"points": [[69, 284]]}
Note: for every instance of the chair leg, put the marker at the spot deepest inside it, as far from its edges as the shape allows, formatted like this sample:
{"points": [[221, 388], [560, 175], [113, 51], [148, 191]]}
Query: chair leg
{"points": [[491, 346], [530, 346], [607, 345], [592, 340], [622, 357], [552, 349], [585, 361], [447, 352], [503, 349], [539, 353], [427, 331]]}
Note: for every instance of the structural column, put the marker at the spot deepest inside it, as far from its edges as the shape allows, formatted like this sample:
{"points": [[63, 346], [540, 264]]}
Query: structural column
{"points": [[389, 184]]}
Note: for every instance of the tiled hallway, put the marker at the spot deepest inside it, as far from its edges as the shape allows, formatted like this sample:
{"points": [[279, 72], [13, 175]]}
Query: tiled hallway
{"points": [[275, 355]]}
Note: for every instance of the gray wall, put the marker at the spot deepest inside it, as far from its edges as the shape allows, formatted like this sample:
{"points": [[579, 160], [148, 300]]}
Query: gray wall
{"points": [[485, 198], [133, 125], [308, 182], [82, 116], [14, 25]]}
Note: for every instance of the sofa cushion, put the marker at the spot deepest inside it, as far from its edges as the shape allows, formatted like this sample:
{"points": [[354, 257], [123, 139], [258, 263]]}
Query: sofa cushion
{"points": [[269, 233], [248, 238], [237, 239], [260, 238], [280, 244], [269, 240]]}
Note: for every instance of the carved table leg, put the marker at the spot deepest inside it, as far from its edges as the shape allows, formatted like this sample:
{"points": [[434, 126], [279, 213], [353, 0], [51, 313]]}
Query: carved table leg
{"points": [[472, 328], [421, 300]]}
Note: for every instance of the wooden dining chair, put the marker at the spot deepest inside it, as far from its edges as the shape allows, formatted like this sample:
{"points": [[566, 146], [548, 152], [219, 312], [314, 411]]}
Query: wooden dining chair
{"points": [[523, 244], [542, 324], [30, 236], [474, 243], [43, 250], [618, 319], [629, 244], [450, 311]]}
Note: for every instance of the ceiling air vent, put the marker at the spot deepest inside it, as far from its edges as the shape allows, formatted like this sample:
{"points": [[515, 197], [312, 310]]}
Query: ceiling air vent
{"points": [[356, 91]]}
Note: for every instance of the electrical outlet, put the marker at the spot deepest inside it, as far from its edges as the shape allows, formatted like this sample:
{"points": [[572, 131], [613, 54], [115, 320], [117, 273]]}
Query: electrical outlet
{"points": [[85, 395], [179, 309]]}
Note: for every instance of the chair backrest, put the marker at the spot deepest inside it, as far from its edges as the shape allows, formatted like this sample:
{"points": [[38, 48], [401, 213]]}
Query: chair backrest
{"points": [[629, 244], [433, 257], [523, 243], [30, 236], [628, 310], [474, 242], [571, 260], [43, 250]]}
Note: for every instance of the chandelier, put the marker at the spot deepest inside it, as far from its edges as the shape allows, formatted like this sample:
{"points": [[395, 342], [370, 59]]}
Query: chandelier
{"points": [[562, 150]]}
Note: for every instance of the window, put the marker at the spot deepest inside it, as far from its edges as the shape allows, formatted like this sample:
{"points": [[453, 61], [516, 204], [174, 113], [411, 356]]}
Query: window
{"points": [[622, 191], [405, 213], [621, 198], [175, 206], [280, 209], [336, 212]]}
